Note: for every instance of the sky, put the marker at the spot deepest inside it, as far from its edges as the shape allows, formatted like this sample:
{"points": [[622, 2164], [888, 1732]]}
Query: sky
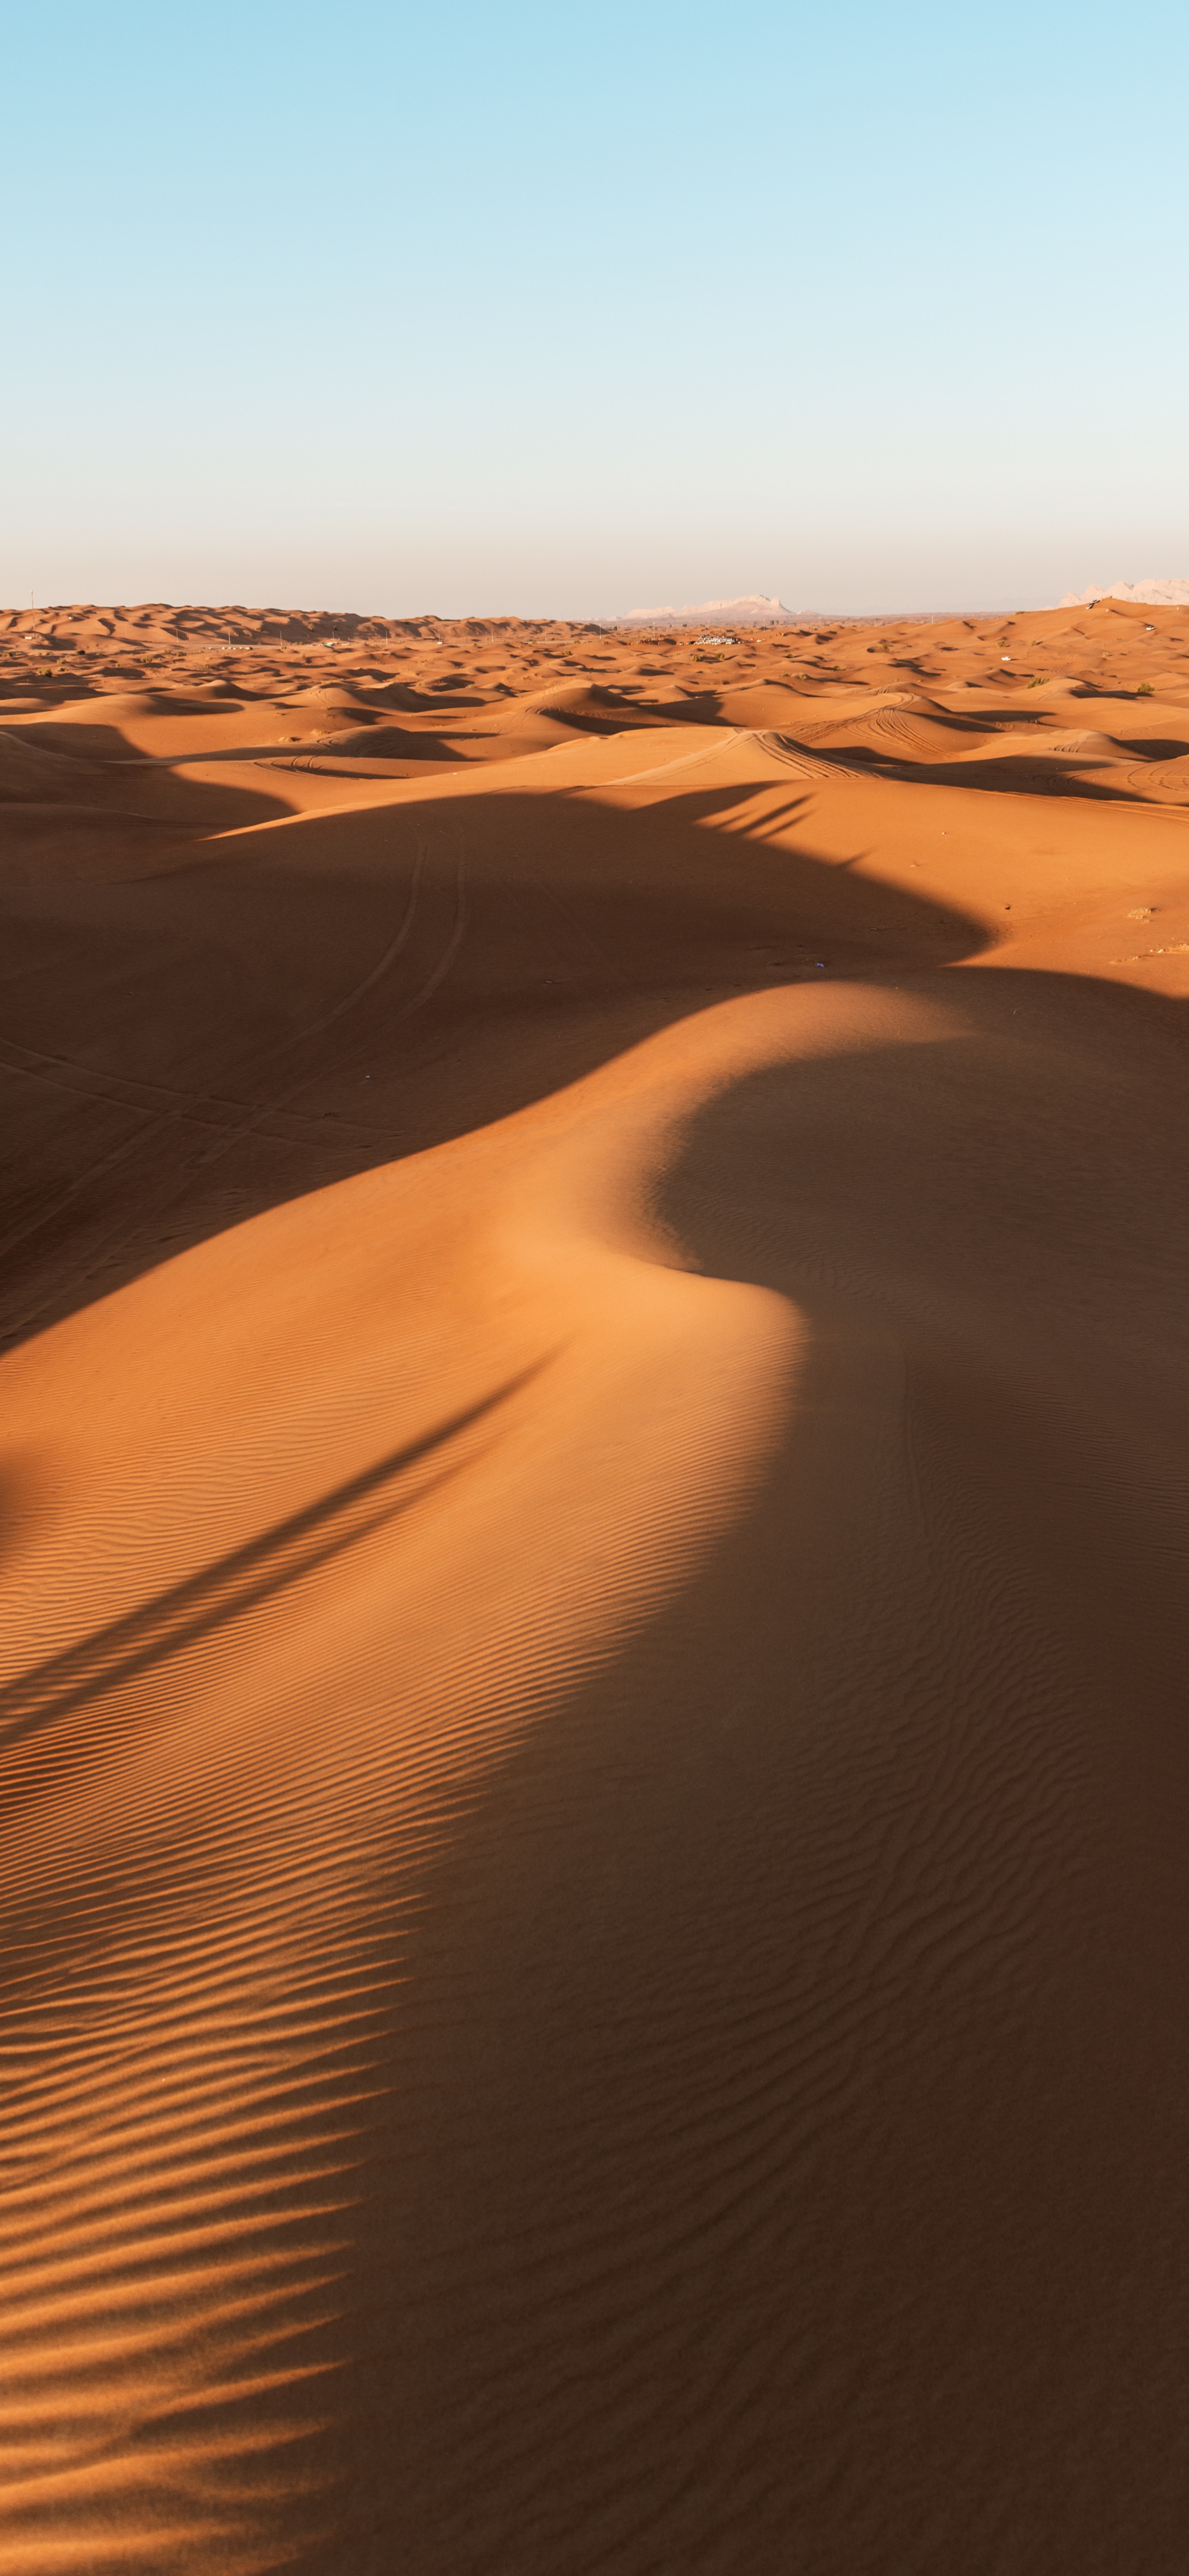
{"points": [[543, 311]]}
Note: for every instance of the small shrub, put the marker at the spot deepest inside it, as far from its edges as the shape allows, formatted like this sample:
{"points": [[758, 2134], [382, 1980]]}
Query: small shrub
{"points": [[1145, 689], [1038, 681]]}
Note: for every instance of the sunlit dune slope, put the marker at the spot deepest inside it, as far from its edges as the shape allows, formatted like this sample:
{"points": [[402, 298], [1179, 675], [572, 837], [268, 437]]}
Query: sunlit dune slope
{"points": [[595, 1403]]}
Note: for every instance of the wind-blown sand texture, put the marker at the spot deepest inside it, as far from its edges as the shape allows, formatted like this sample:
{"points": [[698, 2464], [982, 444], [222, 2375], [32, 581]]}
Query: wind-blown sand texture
{"points": [[594, 1413]]}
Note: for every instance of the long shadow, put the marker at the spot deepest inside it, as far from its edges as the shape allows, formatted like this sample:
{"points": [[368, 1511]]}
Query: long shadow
{"points": [[696, 707], [187, 1050], [235, 1583], [623, 717], [430, 702], [1055, 776], [787, 2137], [111, 773], [184, 1051], [787, 2163]]}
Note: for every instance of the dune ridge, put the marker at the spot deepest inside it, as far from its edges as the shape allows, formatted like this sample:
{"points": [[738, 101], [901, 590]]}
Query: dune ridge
{"points": [[595, 1400]]}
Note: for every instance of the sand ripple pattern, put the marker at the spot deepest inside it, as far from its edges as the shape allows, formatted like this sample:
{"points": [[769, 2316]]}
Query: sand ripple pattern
{"points": [[595, 1534]]}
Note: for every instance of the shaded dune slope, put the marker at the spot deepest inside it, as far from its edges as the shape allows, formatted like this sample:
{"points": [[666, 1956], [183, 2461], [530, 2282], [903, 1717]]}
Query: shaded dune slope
{"points": [[595, 1778]]}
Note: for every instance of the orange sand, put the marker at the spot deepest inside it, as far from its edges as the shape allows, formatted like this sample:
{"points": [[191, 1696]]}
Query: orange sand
{"points": [[594, 1460]]}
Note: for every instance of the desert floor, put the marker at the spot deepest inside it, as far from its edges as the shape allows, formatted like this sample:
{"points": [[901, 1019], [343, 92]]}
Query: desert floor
{"points": [[594, 1404]]}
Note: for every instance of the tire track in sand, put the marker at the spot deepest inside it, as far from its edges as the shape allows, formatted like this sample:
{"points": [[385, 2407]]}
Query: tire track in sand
{"points": [[197, 1106]]}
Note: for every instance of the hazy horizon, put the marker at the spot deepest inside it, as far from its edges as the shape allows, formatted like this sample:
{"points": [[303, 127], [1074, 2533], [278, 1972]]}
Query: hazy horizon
{"points": [[544, 616]]}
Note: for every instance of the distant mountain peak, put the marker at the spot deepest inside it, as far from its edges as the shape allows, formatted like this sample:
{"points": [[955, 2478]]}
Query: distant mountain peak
{"points": [[1152, 593], [755, 610]]}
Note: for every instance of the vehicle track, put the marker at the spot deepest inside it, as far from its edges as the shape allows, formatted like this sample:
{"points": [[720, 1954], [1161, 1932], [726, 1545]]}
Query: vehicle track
{"points": [[666, 768], [202, 1108], [793, 755], [185, 1105]]}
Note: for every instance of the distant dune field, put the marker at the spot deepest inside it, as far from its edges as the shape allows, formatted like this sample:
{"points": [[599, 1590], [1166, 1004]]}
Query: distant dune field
{"points": [[595, 1393]]}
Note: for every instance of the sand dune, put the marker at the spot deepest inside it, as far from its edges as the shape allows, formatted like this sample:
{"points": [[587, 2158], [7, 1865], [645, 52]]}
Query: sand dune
{"points": [[595, 1404]]}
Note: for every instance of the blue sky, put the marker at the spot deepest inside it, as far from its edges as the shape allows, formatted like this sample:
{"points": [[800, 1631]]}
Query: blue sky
{"points": [[552, 311]]}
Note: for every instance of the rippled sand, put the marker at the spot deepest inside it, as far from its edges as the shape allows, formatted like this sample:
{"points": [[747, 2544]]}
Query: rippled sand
{"points": [[594, 1434]]}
